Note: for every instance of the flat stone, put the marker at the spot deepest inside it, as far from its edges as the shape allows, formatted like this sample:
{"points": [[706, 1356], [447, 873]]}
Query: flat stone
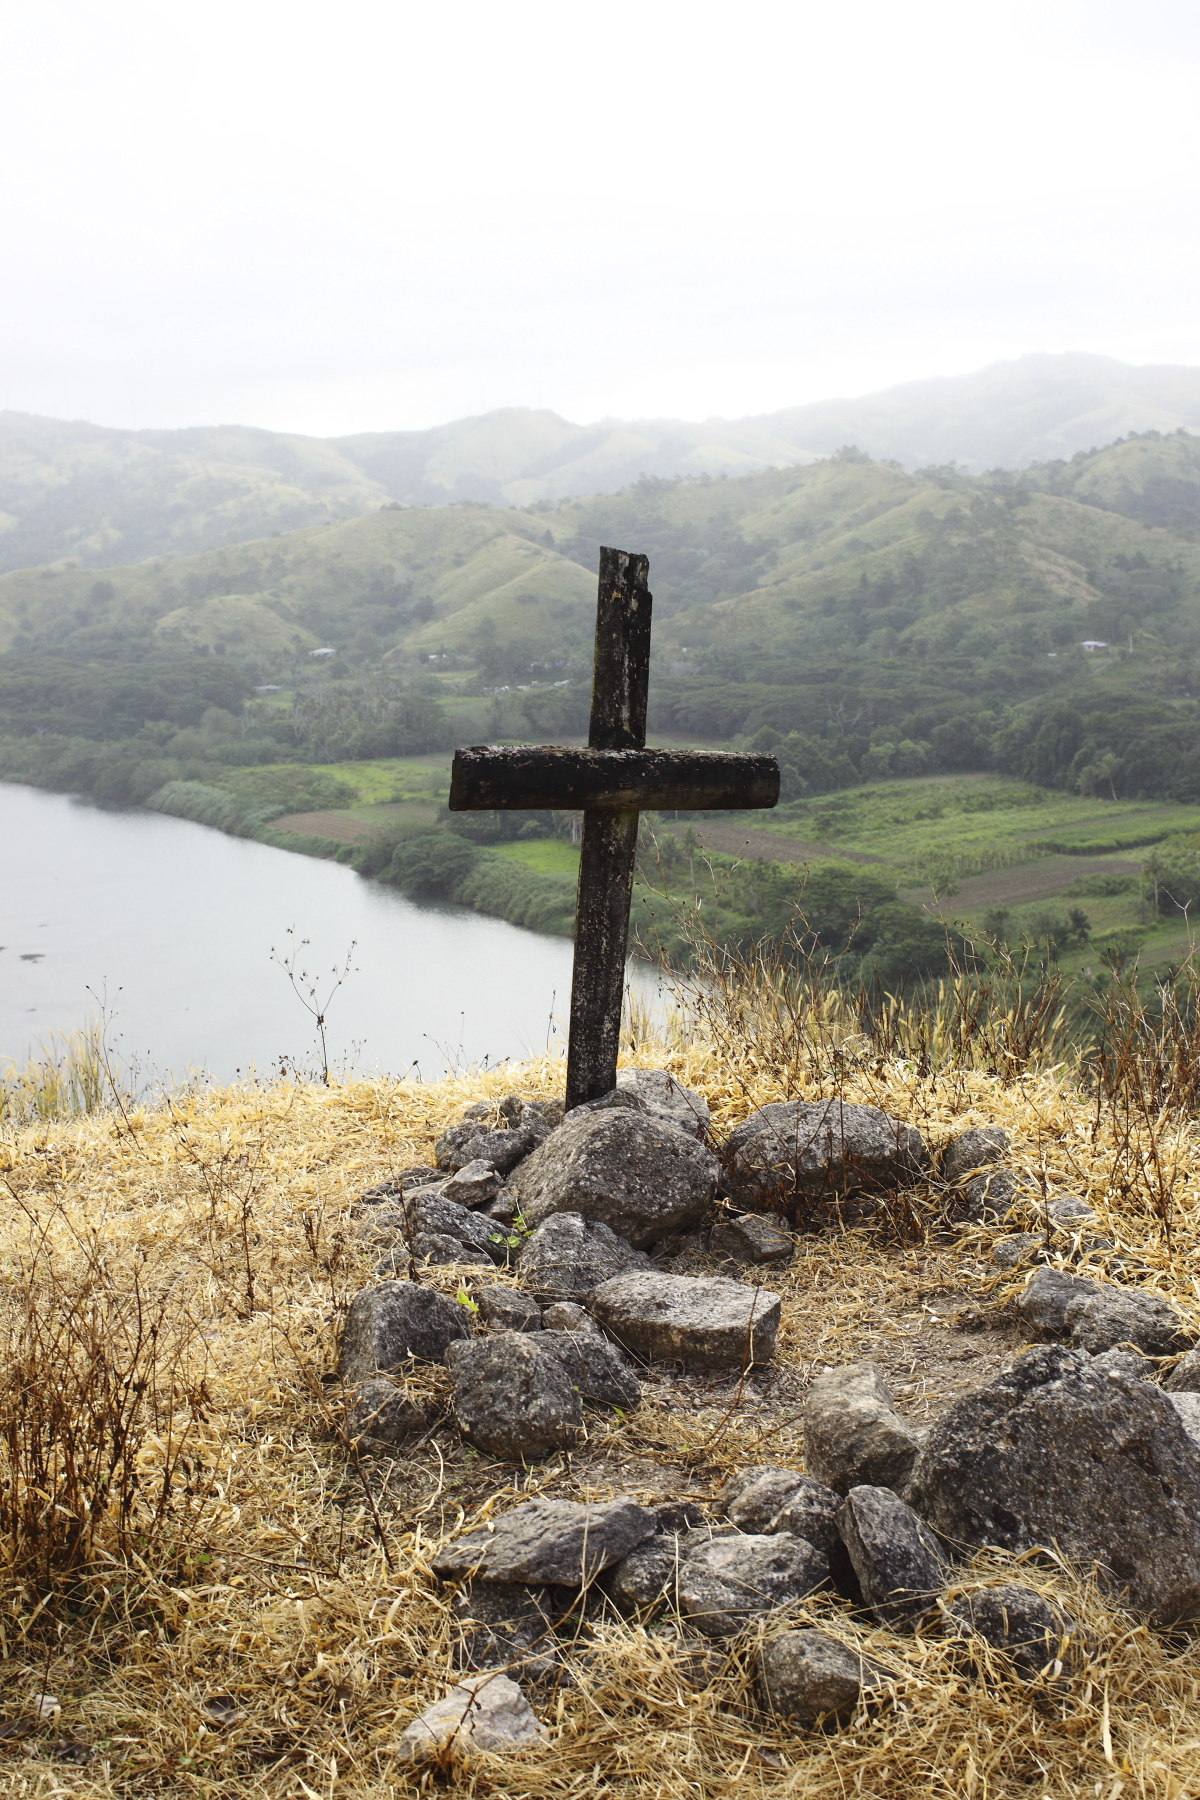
{"points": [[474, 1184], [1025, 1628], [569, 1255], [554, 1543], [649, 1575], [1070, 1213], [621, 1167], [853, 1435], [751, 1239], [729, 1581], [594, 1367], [708, 1323], [482, 1712], [431, 1249], [512, 1397], [667, 1099], [1042, 1304], [1055, 1452], [507, 1625], [388, 1323], [823, 1148], [383, 1411], [899, 1563], [507, 1309], [973, 1150], [807, 1675], [1101, 1321]]}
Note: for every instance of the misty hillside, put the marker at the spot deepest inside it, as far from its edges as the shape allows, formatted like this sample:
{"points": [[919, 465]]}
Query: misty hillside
{"points": [[847, 600], [105, 497]]}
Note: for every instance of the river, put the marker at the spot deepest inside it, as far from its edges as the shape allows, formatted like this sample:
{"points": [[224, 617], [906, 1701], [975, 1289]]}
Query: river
{"points": [[176, 923]]}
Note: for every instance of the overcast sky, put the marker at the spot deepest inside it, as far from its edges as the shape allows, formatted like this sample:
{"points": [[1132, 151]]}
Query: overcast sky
{"points": [[375, 215]]}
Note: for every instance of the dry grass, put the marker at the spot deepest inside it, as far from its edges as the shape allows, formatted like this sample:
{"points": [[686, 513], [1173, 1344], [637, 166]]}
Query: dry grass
{"points": [[228, 1602]]}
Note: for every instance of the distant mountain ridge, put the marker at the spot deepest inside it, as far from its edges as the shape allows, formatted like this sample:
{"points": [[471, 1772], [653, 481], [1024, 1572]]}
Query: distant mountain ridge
{"points": [[97, 496]]}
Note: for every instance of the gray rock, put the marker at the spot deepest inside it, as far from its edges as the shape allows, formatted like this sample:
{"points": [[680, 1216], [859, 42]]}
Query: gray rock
{"points": [[751, 1239], [1054, 1452], [594, 1367], [1101, 1321], [474, 1185], [829, 1147], [384, 1412], [899, 1563], [1129, 1363], [568, 1256], [1185, 1376], [1011, 1252], [507, 1308], [1028, 1630], [706, 1323], [756, 1495], [482, 1712], [503, 1208], [853, 1435], [504, 1624], [1188, 1407], [622, 1168], [649, 1574], [565, 1315], [807, 1675], [973, 1150], [513, 1398], [1070, 1213], [472, 1141], [431, 1249], [989, 1196], [813, 1512], [1042, 1305], [554, 1543], [430, 1214], [728, 1581], [395, 1320], [667, 1099]]}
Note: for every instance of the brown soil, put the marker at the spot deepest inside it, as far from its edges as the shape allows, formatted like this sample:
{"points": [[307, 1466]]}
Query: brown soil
{"points": [[1040, 880], [771, 846], [338, 827]]}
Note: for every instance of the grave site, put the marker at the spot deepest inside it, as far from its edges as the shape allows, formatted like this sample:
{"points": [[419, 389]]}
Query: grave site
{"points": [[776, 1399]]}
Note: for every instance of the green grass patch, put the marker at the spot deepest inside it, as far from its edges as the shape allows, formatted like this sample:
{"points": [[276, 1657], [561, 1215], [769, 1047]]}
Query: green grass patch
{"points": [[548, 856]]}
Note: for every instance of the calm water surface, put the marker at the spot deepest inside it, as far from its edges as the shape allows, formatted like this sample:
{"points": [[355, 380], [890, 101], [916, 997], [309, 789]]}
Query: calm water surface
{"points": [[177, 922]]}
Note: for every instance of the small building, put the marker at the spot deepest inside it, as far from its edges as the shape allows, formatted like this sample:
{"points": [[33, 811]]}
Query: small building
{"points": [[1093, 644], [324, 652]]}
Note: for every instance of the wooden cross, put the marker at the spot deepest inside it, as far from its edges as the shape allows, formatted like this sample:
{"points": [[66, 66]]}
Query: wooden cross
{"points": [[613, 780]]}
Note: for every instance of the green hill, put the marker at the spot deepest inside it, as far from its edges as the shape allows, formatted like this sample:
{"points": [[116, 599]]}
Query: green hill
{"points": [[105, 498]]}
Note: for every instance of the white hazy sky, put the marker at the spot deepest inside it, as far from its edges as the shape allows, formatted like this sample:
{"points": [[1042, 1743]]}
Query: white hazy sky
{"points": [[381, 215]]}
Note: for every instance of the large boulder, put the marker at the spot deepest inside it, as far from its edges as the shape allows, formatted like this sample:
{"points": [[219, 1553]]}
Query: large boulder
{"points": [[899, 1563], [390, 1322], [704, 1323], [795, 1149], [807, 1675], [569, 1255], [482, 1712], [1055, 1452], [553, 1543], [513, 1398], [853, 1435], [621, 1166], [668, 1099], [728, 1581]]}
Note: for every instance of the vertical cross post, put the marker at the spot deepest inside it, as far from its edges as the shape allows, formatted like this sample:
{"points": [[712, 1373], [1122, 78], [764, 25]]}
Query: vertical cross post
{"points": [[620, 686]]}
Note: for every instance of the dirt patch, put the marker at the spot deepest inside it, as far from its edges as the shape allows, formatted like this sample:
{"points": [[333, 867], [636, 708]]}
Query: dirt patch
{"points": [[338, 827], [772, 846], [1024, 882]]}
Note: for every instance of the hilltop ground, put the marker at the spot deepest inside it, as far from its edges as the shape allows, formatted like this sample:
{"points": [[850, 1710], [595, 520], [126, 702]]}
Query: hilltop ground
{"points": [[276, 1628]]}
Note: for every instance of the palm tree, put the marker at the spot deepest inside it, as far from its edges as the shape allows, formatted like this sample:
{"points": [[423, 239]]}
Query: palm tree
{"points": [[1107, 766]]}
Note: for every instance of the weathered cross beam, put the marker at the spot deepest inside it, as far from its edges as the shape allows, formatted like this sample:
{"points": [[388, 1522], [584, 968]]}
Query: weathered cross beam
{"points": [[612, 781]]}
